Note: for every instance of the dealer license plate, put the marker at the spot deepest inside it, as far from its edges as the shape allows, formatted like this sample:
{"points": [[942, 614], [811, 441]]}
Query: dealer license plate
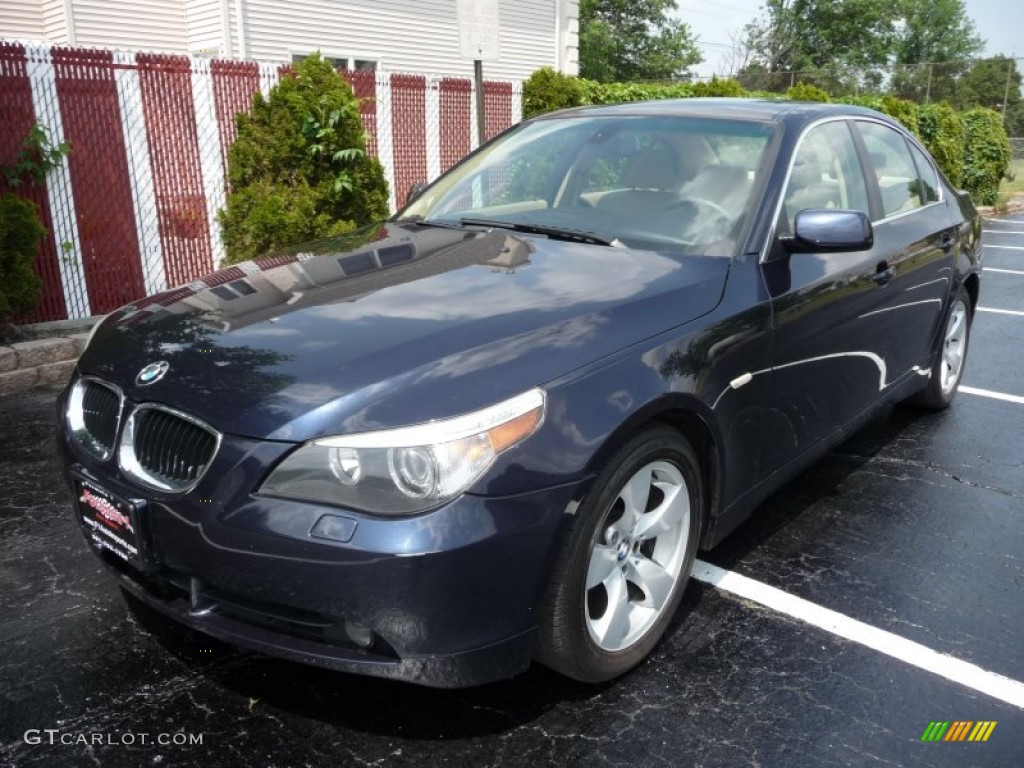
{"points": [[110, 522]]}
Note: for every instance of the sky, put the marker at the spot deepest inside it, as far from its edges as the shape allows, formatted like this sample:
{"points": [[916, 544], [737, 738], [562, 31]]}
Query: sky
{"points": [[999, 22]]}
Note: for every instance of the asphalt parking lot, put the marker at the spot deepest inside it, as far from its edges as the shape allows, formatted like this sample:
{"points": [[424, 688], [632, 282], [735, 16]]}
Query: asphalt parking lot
{"points": [[880, 591]]}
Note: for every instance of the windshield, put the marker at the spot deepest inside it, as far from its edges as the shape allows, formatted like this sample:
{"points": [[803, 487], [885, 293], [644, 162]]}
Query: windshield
{"points": [[645, 182]]}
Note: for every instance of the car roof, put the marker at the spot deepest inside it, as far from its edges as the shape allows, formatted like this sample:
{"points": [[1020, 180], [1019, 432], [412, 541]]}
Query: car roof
{"points": [[730, 108]]}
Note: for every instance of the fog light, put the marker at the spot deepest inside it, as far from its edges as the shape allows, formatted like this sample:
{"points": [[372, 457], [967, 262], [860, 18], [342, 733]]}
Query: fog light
{"points": [[358, 634]]}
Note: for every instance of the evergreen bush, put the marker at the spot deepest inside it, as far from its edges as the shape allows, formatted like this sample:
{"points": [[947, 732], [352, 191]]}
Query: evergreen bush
{"points": [[20, 235], [547, 90], [299, 169]]}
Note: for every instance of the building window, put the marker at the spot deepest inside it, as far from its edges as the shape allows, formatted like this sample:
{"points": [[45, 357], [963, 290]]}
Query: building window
{"points": [[341, 62]]}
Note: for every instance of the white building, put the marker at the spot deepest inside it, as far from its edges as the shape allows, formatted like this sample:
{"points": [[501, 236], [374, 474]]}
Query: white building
{"points": [[392, 35]]}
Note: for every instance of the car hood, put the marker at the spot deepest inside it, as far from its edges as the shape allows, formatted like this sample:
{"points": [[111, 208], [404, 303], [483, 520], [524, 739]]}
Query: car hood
{"points": [[394, 325]]}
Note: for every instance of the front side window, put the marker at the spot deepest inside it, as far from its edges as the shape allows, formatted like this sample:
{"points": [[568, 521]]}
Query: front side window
{"points": [[890, 160], [646, 181], [826, 173]]}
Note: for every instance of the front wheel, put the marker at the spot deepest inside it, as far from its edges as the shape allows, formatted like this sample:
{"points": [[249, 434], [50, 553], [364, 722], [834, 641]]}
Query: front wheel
{"points": [[948, 368], [624, 560]]}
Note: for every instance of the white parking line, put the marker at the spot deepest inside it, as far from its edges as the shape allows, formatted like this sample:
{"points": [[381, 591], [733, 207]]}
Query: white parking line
{"points": [[995, 311], [1005, 271], [969, 675], [1002, 231], [994, 395], [1006, 247]]}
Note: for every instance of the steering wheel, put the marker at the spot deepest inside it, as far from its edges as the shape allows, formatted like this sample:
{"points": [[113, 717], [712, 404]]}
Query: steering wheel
{"points": [[698, 202]]}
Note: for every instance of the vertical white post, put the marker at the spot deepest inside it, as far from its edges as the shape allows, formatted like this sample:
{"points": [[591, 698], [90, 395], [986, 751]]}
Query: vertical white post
{"points": [[210, 163], [59, 193], [385, 137], [474, 134], [433, 135], [140, 172], [517, 101]]}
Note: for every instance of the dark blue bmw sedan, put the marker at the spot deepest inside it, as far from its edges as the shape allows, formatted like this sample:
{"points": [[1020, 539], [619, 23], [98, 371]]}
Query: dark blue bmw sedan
{"points": [[498, 426]]}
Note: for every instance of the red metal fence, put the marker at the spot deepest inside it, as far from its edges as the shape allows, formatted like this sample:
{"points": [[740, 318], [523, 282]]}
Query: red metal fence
{"points": [[133, 209]]}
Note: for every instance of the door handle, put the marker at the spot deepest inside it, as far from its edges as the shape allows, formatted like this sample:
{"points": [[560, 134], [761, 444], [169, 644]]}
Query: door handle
{"points": [[883, 273]]}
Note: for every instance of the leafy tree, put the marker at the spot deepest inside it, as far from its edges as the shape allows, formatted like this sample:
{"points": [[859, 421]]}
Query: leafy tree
{"points": [[623, 40], [931, 47], [987, 84], [833, 44], [20, 235], [299, 169]]}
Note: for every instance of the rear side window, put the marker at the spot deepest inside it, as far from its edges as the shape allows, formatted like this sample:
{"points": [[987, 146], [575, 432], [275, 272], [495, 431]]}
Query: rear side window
{"points": [[926, 172], [890, 160]]}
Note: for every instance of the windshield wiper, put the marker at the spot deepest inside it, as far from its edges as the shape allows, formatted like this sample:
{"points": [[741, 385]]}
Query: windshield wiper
{"points": [[561, 233], [423, 222]]}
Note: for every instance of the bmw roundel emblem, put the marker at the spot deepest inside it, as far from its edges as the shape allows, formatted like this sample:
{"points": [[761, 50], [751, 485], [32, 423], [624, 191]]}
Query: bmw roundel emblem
{"points": [[152, 373]]}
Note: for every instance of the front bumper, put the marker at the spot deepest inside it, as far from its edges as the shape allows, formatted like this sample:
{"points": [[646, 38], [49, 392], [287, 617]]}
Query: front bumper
{"points": [[445, 599]]}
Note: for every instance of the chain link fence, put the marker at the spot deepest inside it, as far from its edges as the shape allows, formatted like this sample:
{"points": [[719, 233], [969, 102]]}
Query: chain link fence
{"points": [[133, 210]]}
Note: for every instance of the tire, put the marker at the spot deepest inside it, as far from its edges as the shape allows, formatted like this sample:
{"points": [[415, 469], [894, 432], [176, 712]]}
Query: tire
{"points": [[948, 368], [614, 586]]}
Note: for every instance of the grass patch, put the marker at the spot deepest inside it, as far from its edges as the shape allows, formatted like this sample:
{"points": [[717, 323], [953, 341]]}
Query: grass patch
{"points": [[1014, 188]]}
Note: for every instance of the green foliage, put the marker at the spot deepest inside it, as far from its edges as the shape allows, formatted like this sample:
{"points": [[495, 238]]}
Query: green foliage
{"points": [[716, 87], [299, 170], [990, 82], [942, 132], [836, 44], [618, 93], [634, 40], [902, 110], [932, 31], [547, 90], [37, 157], [987, 154], [807, 92], [20, 235]]}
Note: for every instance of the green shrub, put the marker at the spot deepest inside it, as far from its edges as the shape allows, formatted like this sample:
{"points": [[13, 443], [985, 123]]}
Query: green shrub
{"points": [[548, 90], [20, 235], [299, 169], [904, 111], [987, 154], [618, 93], [807, 92], [942, 132], [716, 87]]}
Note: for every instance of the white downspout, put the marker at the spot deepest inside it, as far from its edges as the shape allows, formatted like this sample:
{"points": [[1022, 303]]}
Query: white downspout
{"points": [[225, 25], [240, 14], [558, 35]]}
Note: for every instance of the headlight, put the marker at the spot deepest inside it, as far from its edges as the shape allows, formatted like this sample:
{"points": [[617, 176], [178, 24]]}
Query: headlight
{"points": [[400, 471]]}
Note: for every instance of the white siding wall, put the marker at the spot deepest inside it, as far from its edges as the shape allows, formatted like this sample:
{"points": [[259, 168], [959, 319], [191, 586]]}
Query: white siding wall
{"points": [[155, 25], [21, 19], [204, 28], [403, 35], [55, 22]]}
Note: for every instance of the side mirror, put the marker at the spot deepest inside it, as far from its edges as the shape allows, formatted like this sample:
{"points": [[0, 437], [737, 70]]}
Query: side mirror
{"points": [[831, 230], [415, 190]]}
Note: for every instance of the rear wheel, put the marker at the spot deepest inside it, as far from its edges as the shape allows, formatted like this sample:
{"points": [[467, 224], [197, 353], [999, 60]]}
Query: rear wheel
{"points": [[624, 560], [948, 368]]}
